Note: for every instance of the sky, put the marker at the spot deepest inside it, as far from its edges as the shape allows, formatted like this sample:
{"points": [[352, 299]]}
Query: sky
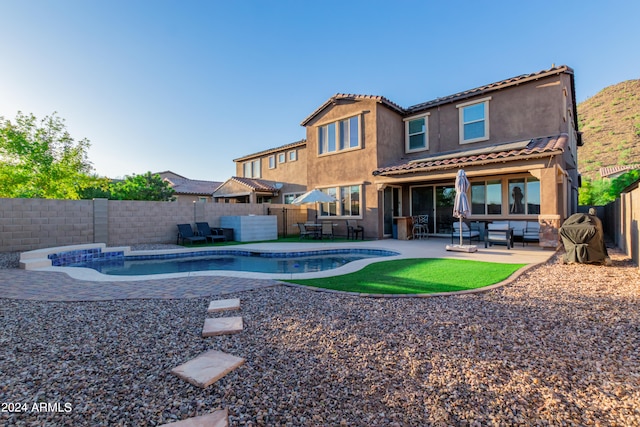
{"points": [[188, 85]]}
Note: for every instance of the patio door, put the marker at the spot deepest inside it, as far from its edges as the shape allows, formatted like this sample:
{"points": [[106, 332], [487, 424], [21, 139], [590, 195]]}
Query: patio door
{"points": [[437, 202], [392, 205]]}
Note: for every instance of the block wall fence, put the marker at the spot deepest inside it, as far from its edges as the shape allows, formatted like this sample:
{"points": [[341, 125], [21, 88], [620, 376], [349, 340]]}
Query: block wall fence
{"points": [[28, 224]]}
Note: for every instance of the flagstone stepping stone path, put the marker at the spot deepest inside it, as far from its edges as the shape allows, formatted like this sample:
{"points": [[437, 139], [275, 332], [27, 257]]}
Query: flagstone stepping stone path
{"points": [[216, 419], [223, 305], [212, 365], [222, 326]]}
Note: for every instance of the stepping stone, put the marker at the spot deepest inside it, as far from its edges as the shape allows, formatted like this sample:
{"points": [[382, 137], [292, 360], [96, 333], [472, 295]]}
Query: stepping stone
{"points": [[207, 368], [216, 419], [224, 304], [222, 326]]}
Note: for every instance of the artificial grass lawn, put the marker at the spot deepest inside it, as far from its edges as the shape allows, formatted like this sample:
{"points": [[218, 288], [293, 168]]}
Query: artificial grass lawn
{"points": [[417, 276]]}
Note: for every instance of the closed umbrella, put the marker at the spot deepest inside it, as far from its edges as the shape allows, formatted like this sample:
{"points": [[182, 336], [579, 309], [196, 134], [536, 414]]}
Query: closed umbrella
{"points": [[461, 210], [461, 205], [314, 196]]}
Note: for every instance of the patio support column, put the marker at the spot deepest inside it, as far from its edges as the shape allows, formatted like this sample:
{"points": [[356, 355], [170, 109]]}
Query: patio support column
{"points": [[549, 217]]}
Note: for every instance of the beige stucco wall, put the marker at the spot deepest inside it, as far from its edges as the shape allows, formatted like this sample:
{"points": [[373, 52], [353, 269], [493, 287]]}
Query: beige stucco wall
{"points": [[292, 174], [525, 111], [348, 167]]}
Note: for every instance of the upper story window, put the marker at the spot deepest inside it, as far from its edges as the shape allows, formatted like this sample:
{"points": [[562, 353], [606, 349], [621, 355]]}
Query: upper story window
{"points": [[340, 135], [293, 155], [252, 169], [272, 162], [474, 120], [416, 131], [281, 158]]}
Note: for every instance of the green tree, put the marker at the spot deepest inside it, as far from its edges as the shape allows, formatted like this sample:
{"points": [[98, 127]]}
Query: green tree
{"points": [[599, 192], [39, 159], [142, 187]]}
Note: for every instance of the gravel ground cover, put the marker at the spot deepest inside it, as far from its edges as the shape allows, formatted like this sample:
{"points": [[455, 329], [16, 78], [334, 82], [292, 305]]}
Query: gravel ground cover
{"points": [[559, 346]]}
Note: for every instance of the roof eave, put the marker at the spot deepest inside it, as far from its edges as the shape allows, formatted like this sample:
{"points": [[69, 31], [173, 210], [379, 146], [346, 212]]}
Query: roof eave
{"points": [[472, 163]]}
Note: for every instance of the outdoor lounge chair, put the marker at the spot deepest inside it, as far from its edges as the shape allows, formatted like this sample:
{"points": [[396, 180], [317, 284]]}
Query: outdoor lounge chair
{"points": [[531, 233], [353, 229], [467, 233], [185, 232], [499, 233], [211, 234]]}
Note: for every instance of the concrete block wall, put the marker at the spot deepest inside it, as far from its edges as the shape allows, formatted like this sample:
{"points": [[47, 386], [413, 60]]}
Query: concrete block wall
{"points": [[27, 224]]}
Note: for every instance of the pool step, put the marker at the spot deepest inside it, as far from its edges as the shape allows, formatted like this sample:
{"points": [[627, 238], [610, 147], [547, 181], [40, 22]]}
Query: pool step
{"points": [[223, 305], [207, 368], [222, 326], [215, 419]]}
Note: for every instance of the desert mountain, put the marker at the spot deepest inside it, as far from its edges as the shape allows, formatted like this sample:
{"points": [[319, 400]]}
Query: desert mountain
{"points": [[610, 125]]}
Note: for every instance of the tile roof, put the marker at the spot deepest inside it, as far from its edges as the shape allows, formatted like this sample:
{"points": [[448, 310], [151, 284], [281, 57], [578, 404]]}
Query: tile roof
{"points": [[531, 148], [444, 100], [489, 88], [301, 143], [193, 186], [352, 97], [255, 184], [615, 170]]}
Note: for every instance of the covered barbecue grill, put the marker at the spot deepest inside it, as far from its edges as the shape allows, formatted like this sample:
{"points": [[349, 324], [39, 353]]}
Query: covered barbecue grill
{"points": [[583, 239]]}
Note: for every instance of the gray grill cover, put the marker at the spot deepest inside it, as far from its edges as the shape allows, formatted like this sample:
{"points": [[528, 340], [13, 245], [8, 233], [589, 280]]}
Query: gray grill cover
{"points": [[583, 239]]}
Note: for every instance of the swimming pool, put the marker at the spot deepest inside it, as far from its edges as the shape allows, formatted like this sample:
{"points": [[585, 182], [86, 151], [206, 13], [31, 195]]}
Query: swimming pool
{"points": [[253, 261]]}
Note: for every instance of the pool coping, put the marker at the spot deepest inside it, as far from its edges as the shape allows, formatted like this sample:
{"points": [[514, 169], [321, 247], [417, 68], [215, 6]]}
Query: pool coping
{"points": [[432, 248]]}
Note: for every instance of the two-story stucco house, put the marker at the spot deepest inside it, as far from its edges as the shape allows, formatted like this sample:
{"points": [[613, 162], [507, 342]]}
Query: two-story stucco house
{"points": [[276, 175], [516, 139]]}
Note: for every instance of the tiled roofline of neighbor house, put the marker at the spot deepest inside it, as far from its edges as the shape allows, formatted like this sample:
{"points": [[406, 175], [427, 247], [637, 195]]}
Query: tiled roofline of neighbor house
{"points": [[255, 183], [285, 147], [608, 171], [455, 97], [533, 148]]}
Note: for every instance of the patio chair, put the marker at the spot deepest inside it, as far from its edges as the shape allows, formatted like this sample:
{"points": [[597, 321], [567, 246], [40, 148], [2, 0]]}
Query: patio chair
{"points": [[467, 233], [327, 230], [531, 233], [186, 234], [212, 235], [353, 229], [304, 233], [420, 227], [499, 233]]}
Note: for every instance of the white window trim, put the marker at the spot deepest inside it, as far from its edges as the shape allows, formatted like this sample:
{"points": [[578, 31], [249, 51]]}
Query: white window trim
{"points": [[461, 107], [282, 156], [426, 133], [292, 155], [338, 205], [272, 162], [337, 136], [295, 193]]}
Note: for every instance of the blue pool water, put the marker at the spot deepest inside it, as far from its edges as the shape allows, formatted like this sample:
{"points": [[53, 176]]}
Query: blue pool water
{"points": [[287, 262]]}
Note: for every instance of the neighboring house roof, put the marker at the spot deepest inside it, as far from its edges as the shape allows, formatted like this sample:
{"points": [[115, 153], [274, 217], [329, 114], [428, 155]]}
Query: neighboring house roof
{"points": [[544, 146], [183, 185], [614, 171], [301, 143], [252, 184], [447, 99], [192, 186]]}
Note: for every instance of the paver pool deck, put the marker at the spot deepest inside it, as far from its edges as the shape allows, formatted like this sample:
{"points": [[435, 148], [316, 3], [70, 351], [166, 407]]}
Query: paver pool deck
{"points": [[81, 284]]}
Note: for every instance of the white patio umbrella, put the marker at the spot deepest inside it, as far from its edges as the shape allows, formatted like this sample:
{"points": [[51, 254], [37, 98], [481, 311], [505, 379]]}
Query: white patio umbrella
{"points": [[461, 205], [314, 196]]}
